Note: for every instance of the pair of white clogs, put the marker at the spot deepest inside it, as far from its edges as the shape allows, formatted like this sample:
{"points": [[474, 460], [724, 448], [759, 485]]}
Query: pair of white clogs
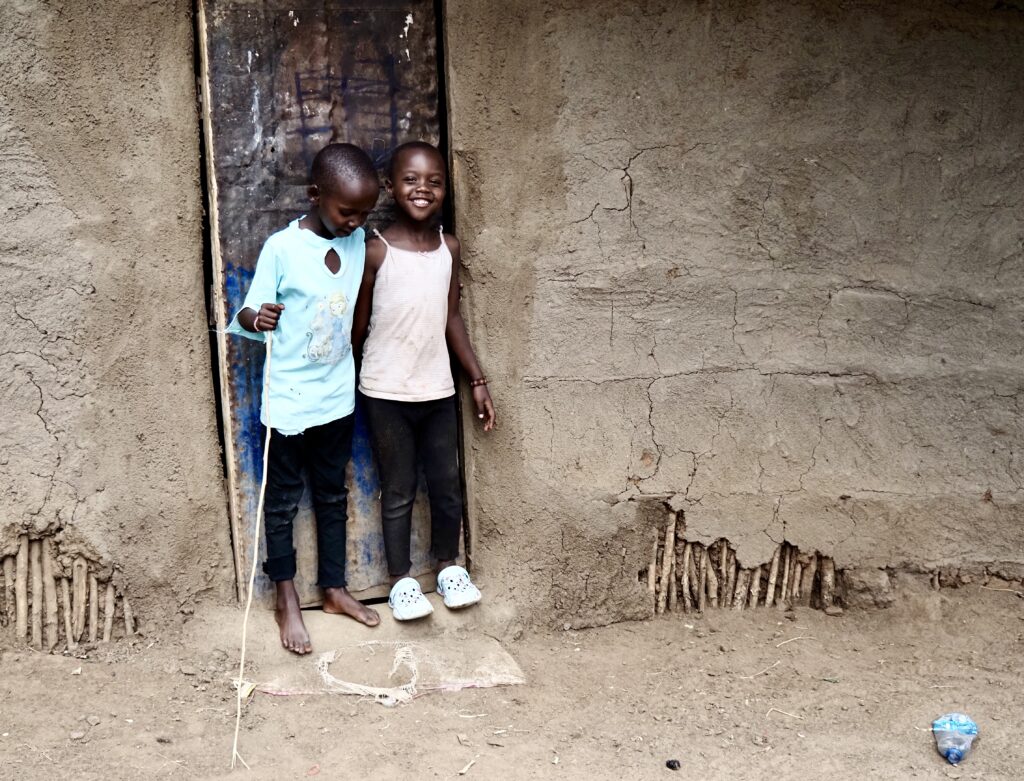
{"points": [[407, 601]]}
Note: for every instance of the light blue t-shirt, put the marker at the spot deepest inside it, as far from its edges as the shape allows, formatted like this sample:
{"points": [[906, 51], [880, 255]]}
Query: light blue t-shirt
{"points": [[312, 373]]}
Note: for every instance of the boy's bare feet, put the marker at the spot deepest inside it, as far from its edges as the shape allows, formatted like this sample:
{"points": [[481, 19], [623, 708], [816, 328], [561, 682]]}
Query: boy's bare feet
{"points": [[339, 602], [288, 614]]}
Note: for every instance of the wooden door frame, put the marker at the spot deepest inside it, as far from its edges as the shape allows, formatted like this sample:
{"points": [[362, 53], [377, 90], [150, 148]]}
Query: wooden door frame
{"points": [[219, 303]]}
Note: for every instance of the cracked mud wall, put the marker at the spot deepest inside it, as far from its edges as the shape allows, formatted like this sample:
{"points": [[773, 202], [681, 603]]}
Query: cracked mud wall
{"points": [[758, 262], [109, 438]]}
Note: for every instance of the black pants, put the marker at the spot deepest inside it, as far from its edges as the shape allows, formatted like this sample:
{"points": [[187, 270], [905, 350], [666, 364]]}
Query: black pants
{"points": [[323, 451], [403, 432]]}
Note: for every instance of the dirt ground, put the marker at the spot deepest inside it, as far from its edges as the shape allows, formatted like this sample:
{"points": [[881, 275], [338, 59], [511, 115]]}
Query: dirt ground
{"points": [[756, 694]]}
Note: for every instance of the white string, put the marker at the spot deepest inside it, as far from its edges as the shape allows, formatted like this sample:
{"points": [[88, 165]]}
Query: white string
{"points": [[255, 555], [389, 696]]}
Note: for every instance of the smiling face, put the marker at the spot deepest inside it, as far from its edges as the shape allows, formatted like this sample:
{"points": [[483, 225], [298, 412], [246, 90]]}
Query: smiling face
{"points": [[418, 182], [345, 205]]}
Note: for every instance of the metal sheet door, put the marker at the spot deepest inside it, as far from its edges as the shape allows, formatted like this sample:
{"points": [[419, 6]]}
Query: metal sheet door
{"points": [[281, 80]]}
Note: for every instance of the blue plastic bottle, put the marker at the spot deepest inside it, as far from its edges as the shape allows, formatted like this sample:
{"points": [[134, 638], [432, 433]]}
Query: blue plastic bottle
{"points": [[954, 734]]}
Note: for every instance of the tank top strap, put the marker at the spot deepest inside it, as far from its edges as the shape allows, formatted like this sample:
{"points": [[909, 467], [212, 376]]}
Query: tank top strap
{"points": [[379, 236]]}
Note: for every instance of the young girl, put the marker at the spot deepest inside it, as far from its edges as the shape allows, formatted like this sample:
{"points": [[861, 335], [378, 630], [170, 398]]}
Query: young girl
{"points": [[406, 318]]}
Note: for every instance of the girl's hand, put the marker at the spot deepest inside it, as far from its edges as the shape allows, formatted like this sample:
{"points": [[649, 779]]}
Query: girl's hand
{"points": [[484, 407], [266, 318]]}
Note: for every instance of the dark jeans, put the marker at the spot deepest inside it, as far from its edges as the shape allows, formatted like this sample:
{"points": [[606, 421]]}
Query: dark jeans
{"points": [[403, 432], [323, 451]]}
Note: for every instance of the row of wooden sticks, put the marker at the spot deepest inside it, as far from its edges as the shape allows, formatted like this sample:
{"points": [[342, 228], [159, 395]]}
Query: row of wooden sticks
{"points": [[32, 579], [689, 576]]}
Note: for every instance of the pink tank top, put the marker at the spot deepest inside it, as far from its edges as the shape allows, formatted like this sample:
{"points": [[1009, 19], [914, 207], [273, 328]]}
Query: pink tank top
{"points": [[405, 357]]}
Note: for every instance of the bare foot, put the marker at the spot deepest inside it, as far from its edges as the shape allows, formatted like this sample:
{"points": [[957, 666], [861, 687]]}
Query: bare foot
{"points": [[339, 602], [288, 614]]}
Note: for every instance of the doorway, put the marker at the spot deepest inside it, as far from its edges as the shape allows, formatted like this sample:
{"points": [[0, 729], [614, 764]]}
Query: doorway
{"points": [[279, 80]]}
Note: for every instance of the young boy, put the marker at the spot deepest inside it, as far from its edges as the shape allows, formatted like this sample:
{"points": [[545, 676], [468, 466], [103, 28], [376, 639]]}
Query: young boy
{"points": [[304, 291]]}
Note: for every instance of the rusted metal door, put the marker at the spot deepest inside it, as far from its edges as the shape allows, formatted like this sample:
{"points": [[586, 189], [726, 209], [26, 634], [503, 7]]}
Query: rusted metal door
{"points": [[281, 80]]}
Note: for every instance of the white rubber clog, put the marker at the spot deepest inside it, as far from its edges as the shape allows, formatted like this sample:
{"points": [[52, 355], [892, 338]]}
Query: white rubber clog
{"points": [[407, 601], [454, 585]]}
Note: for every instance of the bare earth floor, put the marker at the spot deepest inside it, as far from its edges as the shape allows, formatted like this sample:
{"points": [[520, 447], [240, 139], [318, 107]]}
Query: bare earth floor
{"points": [[753, 695]]}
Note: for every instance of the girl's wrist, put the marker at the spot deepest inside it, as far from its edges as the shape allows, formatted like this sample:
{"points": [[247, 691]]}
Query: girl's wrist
{"points": [[478, 382]]}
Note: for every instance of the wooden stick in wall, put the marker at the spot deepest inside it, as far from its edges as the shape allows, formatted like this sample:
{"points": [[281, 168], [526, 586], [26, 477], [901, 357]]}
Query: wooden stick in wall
{"points": [[721, 580], [9, 601], [94, 608], [794, 576], [657, 574], [684, 580], [668, 558], [79, 585], [755, 587], [652, 570], [734, 577], [816, 580], [21, 590], [696, 556], [108, 613], [712, 583], [828, 582], [49, 596], [729, 579], [673, 586], [784, 588], [65, 603], [739, 593], [35, 567], [702, 580], [773, 572], [723, 571], [807, 579], [797, 580]]}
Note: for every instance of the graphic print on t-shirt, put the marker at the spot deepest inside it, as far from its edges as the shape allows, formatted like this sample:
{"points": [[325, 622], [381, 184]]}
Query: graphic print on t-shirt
{"points": [[330, 334]]}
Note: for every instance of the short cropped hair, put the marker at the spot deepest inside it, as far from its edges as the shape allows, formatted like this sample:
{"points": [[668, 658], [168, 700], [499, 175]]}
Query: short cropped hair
{"points": [[341, 161], [408, 146]]}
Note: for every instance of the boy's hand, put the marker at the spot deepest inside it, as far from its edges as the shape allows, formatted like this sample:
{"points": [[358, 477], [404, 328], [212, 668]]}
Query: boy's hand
{"points": [[266, 318], [484, 407]]}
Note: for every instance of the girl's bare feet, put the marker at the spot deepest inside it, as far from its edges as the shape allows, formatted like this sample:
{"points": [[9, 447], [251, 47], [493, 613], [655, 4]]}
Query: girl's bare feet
{"points": [[288, 614], [339, 602]]}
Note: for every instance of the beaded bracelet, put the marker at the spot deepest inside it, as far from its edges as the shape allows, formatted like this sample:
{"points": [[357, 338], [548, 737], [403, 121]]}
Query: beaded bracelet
{"points": [[477, 382]]}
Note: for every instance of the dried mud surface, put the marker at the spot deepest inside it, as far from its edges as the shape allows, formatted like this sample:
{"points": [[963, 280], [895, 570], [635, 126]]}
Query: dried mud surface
{"points": [[759, 260], [853, 698], [108, 435]]}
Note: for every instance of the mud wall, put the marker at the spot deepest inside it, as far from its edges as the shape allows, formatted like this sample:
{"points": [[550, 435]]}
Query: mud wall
{"points": [[108, 443], [757, 262]]}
